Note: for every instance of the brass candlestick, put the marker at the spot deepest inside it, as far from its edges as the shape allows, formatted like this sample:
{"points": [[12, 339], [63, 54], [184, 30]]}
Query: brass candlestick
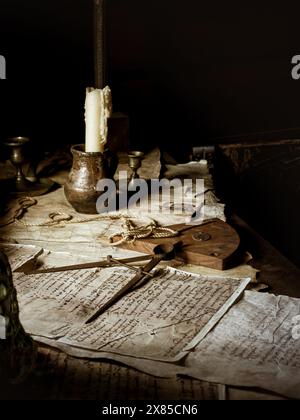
{"points": [[17, 158], [21, 185], [135, 163]]}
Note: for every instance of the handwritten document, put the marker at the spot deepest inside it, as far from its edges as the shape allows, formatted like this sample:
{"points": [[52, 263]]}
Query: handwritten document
{"points": [[95, 380], [162, 320], [18, 255], [254, 345]]}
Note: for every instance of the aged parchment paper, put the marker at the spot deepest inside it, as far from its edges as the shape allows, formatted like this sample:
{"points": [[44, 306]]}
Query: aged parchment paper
{"points": [[254, 346], [162, 320], [97, 380], [18, 255]]}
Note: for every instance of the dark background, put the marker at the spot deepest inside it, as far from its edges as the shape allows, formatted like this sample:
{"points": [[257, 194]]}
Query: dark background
{"points": [[190, 71], [187, 73]]}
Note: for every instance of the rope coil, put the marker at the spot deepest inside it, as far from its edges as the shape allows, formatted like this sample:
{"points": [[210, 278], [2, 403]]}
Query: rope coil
{"points": [[131, 232]]}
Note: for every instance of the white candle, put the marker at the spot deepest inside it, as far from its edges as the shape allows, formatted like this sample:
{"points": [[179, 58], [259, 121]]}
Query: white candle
{"points": [[98, 108]]}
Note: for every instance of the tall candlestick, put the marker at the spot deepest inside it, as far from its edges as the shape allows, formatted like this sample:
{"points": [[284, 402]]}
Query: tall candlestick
{"points": [[98, 108]]}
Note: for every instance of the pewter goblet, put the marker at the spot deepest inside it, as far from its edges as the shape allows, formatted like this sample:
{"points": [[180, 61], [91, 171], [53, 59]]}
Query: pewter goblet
{"points": [[17, 158], [135, 163], [21, 185]]}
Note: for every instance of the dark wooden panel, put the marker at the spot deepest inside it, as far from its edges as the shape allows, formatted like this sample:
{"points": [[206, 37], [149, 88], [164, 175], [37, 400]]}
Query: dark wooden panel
{"points": [[261, 181]]}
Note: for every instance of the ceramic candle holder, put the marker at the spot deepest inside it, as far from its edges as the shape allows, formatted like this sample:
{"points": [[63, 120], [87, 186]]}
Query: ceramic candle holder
{"points": [[87, 170]]}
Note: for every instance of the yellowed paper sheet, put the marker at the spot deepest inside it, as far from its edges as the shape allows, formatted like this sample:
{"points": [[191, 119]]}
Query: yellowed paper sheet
{"points": [[256, 345], [92, 230], [163, 320], [18, 255], [97, 380]]}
